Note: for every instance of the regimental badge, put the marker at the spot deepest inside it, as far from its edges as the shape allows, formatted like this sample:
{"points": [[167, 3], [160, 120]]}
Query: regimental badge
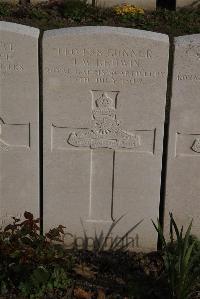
{"points": [[105, 131], [196, 145]]}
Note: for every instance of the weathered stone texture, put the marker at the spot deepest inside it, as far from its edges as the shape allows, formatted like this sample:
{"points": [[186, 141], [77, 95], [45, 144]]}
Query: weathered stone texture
{"points": [[19, 110], [104, 109], [182, 3], [183, 171]]}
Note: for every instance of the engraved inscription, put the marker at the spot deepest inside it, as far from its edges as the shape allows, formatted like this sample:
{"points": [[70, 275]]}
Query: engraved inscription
{"points": [[126, 66], [188, 77], [14, 136], [104, 76], [111, 52], [6, 50], [7, 58], [106, 131]]}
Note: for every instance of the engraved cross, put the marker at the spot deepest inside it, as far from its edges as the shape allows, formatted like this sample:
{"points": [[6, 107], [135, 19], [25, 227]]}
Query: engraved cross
{"points": [[104, 137], [14, 136]]}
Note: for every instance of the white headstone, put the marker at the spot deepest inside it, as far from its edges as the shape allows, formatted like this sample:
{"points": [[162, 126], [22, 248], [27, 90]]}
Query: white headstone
{"points": [[183, 171], [104, 109], [19, 111]]}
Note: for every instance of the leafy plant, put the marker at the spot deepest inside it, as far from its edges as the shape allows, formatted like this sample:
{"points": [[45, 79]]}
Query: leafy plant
{"points": [[4, 9], [32, 264], [38, 13], [75, 9], [44, 281], [178, 259]]}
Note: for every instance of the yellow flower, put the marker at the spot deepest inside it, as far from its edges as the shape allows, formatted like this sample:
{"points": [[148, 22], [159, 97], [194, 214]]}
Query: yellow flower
{"points": [[127, 9]]}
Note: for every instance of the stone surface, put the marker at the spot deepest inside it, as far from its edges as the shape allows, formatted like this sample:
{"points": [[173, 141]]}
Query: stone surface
{"points": [[104, 109], [19, 110], [182, 3], [183, 171], [146, 4]]}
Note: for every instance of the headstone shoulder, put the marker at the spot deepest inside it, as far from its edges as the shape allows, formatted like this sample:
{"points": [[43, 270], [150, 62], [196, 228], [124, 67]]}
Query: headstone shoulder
{"points": [[18, 28], [136, 33]]}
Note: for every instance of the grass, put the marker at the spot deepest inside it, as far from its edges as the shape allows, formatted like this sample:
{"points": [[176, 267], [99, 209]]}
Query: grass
{"points": [[78, 13], [178, 259]]}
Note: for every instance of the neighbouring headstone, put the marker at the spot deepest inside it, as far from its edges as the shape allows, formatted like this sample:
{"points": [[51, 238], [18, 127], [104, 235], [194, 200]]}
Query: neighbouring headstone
{"points": [[183, 169], [19, 111], [183, 3], [104, 110], [146, 4]]}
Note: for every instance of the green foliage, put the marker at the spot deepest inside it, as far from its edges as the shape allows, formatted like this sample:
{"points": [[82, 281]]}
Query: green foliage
{"points": [[44, 281], [65, 13], [178, 255], [133, 18], [38, 266], [195, 258], [38, 13], [31, 264], [75, 9], [4, 9]]}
